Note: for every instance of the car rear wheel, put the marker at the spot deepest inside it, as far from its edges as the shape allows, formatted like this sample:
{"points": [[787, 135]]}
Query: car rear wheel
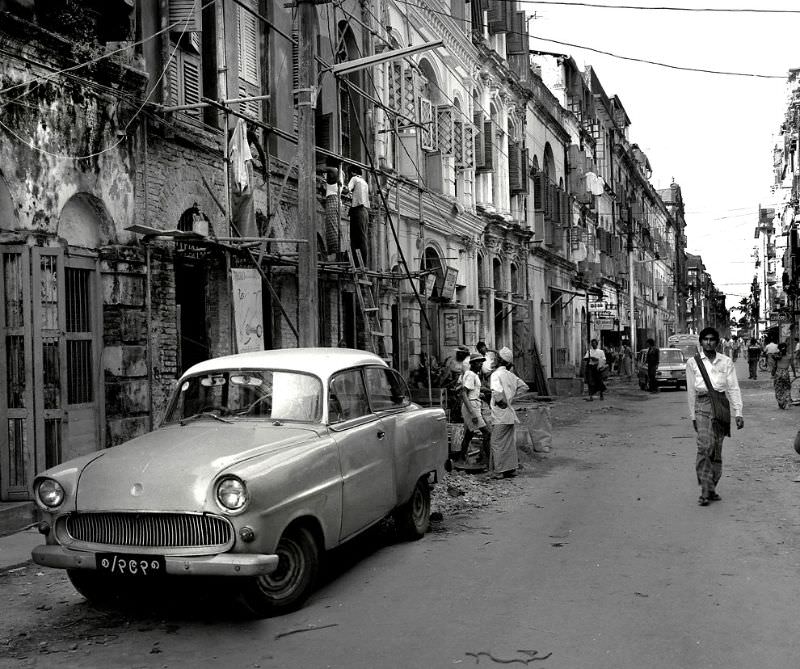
{"points": [[413, 517], [291, 583]]}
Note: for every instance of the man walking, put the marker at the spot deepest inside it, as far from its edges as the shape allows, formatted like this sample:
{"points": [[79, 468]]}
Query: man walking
{"points": [[753, 354], [653, 356], [707, 373]]}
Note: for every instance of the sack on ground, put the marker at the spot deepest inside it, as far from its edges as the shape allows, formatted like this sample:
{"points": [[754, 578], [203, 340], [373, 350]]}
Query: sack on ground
{"points": [[540, 427]]}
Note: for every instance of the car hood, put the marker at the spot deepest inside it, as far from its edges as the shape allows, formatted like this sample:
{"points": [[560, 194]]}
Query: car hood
{"points": [[173, 468]]}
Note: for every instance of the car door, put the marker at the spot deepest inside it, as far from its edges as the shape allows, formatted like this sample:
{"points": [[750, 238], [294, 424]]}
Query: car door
{"points": [[365, 454], [415, 436]]}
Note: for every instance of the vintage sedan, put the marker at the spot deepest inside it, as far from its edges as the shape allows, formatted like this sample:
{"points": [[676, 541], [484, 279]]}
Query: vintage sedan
{"points": [[263, 461], [671, 370]]}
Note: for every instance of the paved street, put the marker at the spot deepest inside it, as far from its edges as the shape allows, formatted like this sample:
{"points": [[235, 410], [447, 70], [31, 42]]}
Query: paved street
{"points": [[597, 557]]}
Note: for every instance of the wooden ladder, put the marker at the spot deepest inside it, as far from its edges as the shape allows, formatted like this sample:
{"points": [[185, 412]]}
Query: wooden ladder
{"points": [[366, 303]]}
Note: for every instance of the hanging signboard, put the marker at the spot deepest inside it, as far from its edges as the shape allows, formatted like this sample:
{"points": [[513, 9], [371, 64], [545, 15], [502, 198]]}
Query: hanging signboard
{"points": [[448, 287], [247, 314], [602, 305]]}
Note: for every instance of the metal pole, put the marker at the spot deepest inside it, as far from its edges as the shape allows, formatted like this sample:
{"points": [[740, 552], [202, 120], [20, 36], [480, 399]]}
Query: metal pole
{"points": [[307, 268], [632, 318]]}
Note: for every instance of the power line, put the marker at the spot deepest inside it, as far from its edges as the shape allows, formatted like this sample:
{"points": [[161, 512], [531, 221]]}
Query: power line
{"points": [[659, 64], [593, 5]]}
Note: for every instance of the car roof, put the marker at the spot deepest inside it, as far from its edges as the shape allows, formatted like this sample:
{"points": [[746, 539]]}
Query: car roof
{"points": [[321, 361]]}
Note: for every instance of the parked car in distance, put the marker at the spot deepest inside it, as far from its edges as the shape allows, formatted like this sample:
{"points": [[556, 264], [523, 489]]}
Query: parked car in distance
{"points": [[262, 463], [671, 368]]}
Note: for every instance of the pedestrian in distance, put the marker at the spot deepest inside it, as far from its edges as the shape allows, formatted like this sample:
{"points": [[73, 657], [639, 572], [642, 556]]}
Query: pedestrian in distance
{"points": [[505, 386], [780, 374], [471, 410], [652, 358], [770, 351], [595, 365], [712, 391], [753, 354], [627, 361]]}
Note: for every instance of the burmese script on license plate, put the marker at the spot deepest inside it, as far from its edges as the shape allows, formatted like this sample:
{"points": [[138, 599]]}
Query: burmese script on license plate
{"points": [[131, 565]]}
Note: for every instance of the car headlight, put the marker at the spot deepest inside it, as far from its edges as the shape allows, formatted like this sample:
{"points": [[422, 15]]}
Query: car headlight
{"points": [[49, 493], [232, 493]]}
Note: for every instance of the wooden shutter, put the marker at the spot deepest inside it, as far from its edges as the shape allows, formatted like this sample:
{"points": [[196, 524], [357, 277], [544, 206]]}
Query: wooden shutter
{"points": [[324, 128], [191, 83], [498, 16], [395, 74], [539, 192], [428, 123], [488, 146], [514, 167], [479, 146], [295, 78], [249, 62], [445, 129], [185, 84], [247, 24], [517, 40], [468, 145], [186, 14]]}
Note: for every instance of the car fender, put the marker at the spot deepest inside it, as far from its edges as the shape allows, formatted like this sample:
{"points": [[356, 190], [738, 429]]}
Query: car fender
{"points": [[305, 481]]}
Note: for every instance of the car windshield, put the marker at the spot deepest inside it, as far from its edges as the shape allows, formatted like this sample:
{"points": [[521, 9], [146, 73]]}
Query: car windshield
{"points": [[671, 356], [247, 394]]}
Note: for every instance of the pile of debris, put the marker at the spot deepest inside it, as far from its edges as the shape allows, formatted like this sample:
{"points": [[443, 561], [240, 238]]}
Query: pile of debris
{"points": [[461, 491]]}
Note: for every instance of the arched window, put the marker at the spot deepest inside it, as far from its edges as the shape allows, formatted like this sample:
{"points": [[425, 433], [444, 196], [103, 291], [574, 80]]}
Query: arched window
{"points": [[514, 278], [349, 103], [497, 275]]}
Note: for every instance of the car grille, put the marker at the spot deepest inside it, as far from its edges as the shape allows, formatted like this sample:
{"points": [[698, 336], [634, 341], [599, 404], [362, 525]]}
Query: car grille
{"points": [[150, 530]]}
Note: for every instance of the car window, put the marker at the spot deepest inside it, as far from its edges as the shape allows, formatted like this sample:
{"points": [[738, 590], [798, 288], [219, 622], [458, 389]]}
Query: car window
{"points": [[385, 388], [269, 394], [347, 398], [671, 356]]}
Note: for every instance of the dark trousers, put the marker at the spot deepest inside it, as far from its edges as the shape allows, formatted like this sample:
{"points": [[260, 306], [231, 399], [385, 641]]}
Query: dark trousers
{"points": [[752, 366], [651, 378]]}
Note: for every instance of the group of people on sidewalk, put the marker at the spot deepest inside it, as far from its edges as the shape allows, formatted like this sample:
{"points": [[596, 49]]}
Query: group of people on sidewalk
{"points": [[779, 362], [481, 388]]}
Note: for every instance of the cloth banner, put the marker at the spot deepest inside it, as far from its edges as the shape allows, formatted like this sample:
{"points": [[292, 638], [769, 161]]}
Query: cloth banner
{"points": [[247, 310]]}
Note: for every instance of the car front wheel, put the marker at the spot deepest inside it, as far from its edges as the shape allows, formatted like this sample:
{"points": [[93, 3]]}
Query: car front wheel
{"points": [[291, 583], [413, 517]]}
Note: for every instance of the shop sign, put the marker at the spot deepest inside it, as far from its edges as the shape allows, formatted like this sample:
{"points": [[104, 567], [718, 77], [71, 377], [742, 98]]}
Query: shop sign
{"points": [[604, 323], [601, 305], [448, 287]]}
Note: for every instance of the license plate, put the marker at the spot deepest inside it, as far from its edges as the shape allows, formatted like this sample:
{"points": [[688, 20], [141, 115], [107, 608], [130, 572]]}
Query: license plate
{"points": [[124, 564]]}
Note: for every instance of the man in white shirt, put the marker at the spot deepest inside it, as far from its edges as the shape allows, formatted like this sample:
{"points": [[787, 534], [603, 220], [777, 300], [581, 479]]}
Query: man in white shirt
{"points": [[359, 212], [710, 431], [770, 351]]}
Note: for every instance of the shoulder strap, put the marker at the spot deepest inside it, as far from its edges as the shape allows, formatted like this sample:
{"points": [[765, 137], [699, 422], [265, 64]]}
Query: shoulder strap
{"points": [[703, 371]]}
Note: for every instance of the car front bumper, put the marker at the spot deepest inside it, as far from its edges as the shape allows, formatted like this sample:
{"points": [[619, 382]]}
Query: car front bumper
{"points": [[225, 564]]}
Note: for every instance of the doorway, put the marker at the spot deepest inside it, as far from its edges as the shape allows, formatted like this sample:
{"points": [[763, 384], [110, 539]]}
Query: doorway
{"points": [[51, 402]]}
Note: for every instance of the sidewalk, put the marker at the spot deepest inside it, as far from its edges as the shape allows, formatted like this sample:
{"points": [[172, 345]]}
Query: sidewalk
{"points": [[15, 549]]}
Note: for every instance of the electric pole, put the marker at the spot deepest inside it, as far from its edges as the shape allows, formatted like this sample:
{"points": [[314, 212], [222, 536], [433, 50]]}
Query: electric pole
{"points": [[306, 96]]}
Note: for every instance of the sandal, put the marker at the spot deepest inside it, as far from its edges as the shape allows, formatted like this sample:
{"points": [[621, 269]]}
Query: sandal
{"points": [[703, 501], [714, 497]]}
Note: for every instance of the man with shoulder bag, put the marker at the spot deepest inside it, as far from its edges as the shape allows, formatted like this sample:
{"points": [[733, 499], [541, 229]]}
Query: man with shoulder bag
{"points": [[712, 391]]}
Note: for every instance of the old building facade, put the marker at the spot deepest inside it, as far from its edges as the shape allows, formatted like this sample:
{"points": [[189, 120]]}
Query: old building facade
{"points": [[150, 195]]}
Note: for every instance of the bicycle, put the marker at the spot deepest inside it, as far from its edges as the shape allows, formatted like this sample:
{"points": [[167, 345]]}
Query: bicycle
{"points": [[794, 391]]}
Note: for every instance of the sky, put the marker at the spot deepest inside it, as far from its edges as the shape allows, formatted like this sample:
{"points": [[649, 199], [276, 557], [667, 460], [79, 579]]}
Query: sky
{"points": [[712, 134]]}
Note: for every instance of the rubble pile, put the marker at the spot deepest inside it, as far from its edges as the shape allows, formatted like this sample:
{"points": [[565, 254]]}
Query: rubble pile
{"points": [[461, 491]]}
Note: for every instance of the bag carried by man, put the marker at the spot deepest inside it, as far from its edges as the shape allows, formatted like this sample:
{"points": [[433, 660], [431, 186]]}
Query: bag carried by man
{"points": [[720, 407]]}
